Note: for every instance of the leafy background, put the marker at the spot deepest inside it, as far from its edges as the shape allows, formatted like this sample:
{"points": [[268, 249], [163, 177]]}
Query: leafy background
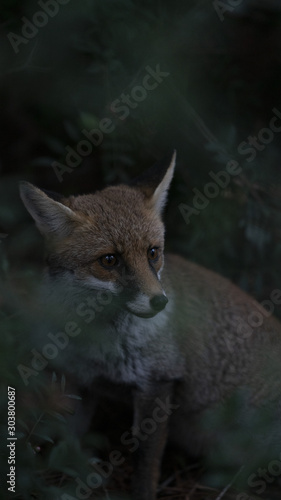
{"points": [[224, 80]]}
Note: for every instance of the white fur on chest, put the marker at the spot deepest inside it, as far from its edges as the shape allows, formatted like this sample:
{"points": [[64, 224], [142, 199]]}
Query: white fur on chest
{"points": [[121, 348], [123, 352], [130, 350]]}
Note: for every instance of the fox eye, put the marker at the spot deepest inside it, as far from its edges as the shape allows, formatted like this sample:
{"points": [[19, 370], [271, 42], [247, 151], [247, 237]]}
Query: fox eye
{"points": [[153, 253], [109, 260]]}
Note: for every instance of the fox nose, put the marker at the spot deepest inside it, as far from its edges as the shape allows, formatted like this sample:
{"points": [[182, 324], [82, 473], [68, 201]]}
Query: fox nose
{"points": [[158, 302]]}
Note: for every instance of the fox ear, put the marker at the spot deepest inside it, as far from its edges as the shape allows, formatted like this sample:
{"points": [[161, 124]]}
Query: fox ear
{"points": [[156, 181], [50, 215]]}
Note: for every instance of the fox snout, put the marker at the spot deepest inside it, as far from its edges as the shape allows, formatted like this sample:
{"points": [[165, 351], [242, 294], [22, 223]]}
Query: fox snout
{"points": [[158, 302], [144, 306]]}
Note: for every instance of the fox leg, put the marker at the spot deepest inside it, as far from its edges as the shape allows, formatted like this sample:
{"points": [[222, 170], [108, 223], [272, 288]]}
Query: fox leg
{"points": [[152, 410]]}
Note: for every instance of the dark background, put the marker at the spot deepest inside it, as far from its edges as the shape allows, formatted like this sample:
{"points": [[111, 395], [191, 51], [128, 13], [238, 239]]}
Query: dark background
{"points": [[224, 81]]}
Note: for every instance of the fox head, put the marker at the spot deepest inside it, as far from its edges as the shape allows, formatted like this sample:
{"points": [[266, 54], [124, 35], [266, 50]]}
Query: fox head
{"points": [[112, 240]]}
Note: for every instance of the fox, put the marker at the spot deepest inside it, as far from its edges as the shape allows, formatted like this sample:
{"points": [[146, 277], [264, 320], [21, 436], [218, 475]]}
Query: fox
{"points": [[158, 331]]}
